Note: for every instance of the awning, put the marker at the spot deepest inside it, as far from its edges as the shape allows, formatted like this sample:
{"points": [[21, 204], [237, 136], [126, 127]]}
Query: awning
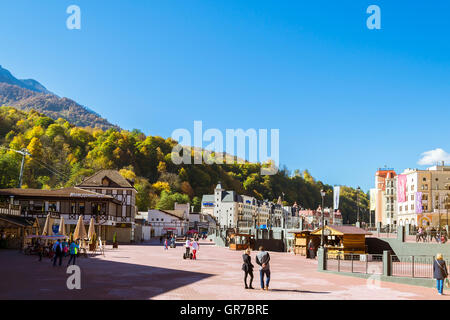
{"points": [[18, 221]]}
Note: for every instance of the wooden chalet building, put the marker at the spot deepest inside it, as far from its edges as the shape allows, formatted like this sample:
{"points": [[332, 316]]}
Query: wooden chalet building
{"points": [[106, 196]]}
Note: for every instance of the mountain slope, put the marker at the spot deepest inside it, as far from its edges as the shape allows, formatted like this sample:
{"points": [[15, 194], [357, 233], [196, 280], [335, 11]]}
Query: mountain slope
{"points": [[30, 94]]}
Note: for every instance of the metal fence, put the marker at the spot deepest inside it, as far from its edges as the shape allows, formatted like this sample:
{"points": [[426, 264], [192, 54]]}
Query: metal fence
{"points": [[419, 266], [355, 263], [413, 266]]}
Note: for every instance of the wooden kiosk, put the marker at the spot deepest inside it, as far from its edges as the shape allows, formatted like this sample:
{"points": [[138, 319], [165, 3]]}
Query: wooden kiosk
{"points": [[241, 241], [343, 240], [301, 241]]}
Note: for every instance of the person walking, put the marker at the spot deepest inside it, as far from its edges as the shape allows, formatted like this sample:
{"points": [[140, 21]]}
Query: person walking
{"points": [[311, 250], [440, 272], [247, 267], [166, 244], [195, 249], [58, 250], [262, 259], [188, 247], [73, 251], [65, 246]]}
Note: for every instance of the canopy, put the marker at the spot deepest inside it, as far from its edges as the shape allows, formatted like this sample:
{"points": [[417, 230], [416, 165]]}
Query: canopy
{"points": [[47, 226], [91, 229], [80, 231], [62, 227], [54, 237], [192, 231]]}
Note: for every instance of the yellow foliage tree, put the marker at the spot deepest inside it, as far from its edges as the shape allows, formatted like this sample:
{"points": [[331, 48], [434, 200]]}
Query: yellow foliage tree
{"points": [[161, 186]]}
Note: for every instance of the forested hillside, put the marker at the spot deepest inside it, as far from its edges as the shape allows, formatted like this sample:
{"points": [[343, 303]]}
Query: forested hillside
{"points": [[62, 154], [30, 94]]}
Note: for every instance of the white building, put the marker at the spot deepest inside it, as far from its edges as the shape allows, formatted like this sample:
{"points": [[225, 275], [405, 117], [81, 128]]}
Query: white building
{"points": [[167, 221], [232, 210]]}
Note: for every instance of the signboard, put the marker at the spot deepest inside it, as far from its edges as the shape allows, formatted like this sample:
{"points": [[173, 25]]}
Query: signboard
{"points": [[424, 220], [55, 228], [208, 204]]}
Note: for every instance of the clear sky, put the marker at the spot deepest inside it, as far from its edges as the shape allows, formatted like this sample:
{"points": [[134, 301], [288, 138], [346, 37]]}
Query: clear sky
{"points": [[346, 99]]}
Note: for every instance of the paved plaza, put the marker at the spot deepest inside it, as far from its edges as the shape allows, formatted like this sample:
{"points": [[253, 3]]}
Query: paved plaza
{"points": [[149, 272]]}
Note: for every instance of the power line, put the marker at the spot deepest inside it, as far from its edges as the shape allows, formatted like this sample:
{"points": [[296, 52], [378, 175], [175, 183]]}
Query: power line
{"points": [[52, 169], [24, 152]]}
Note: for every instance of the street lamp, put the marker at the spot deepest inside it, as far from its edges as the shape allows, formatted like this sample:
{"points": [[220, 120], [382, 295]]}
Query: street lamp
{"points": [[357, 203], [322, 239]]}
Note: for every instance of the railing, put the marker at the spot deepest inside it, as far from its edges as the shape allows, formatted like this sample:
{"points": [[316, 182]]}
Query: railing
{"points": [[9, 209], [40, 214], [355, 263], [412, 266]]}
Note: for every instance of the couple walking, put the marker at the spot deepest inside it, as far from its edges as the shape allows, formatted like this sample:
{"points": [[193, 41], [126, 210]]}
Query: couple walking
{"points": [[58, 249], [262, 259]]}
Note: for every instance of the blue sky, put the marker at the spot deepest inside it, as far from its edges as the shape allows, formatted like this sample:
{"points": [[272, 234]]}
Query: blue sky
{"points": [[346, 99]]}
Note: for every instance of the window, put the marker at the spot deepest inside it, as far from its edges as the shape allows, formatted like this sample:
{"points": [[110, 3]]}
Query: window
{"points": [[73, 208], [38, 206], [98, 208], [81, 208], [52, 206]]}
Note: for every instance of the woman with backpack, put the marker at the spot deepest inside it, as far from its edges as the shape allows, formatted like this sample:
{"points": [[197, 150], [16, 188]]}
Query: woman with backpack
{"points": [[73, 250], [440, 272]]}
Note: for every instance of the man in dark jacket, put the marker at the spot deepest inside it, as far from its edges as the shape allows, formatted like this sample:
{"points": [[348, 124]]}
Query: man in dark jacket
{"points": [[58, 249], [440, 272], [262, 259]]}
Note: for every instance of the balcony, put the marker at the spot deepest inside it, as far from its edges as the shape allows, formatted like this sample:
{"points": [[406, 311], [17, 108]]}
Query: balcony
{"points": [[40, 214], [9, 209]]}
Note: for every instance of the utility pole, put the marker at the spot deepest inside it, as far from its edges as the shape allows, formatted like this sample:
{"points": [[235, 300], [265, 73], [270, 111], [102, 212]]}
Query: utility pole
{"points": [[24, 152]]}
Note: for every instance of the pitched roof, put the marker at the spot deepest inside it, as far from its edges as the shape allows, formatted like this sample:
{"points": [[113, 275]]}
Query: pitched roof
{"points": [[176, 213], [344, 230], [228, 196], [72, 192], [20, 221], [208, 198], [113, 179]]}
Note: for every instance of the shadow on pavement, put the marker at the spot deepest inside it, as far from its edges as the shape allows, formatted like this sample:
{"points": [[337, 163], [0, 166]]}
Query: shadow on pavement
{"points": [[23, 277], [299, 291]]}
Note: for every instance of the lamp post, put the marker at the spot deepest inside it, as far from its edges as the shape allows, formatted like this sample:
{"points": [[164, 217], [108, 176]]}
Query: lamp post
{"points": [[357, 204], [322, 238]]}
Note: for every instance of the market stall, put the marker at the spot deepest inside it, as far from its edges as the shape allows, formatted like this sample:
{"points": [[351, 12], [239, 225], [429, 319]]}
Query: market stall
{"points": [[343, 240], [241, 241], [301, 241]]}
